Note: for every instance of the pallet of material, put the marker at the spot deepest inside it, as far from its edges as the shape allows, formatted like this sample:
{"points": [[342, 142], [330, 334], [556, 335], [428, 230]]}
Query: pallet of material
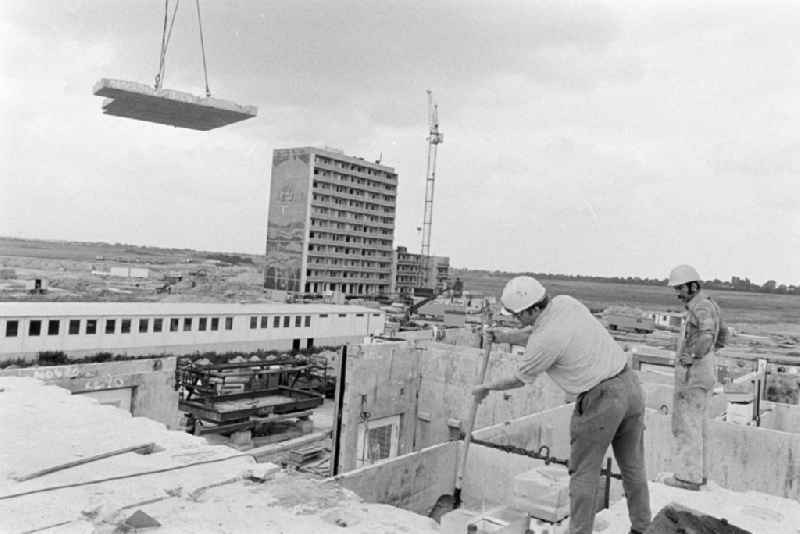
{"points": [[304, 455], [164, 106]]}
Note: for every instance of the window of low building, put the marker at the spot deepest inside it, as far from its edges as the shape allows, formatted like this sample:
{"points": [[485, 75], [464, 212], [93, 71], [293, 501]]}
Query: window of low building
{"points": [[12, 328], [34, 328], [53, 326]]}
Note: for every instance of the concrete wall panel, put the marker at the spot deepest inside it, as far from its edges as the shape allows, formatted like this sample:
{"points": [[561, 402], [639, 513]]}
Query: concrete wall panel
{"points": [[412, 481], [448, 375], [381, 381]]}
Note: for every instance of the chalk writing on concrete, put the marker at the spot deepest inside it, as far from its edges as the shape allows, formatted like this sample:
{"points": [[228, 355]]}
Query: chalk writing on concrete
{"points": [[105, 382], [57, 373]]}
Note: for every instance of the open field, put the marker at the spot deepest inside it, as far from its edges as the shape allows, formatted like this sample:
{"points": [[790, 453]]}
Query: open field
{"points": [[762, 312], [225, 277], [68, 266]]}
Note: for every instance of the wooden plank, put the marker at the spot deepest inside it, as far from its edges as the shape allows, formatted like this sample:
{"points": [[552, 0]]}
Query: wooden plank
{"points": [[219, 429], [145, 448], [280, 417], [164, 106]]}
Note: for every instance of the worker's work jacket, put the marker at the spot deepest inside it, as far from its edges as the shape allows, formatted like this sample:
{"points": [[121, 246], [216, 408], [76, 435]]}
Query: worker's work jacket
{"points": [[699, 334], [569, 344]]}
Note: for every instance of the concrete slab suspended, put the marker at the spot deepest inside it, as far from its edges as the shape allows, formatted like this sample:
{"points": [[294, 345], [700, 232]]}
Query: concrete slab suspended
{"points": [[164, 106]]}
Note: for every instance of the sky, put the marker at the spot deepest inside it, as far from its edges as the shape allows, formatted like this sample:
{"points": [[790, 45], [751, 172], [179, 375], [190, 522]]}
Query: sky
{"points": [[599, 138]]}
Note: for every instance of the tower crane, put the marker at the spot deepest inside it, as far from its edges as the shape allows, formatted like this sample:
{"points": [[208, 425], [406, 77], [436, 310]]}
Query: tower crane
{"points": [[435, 138]]}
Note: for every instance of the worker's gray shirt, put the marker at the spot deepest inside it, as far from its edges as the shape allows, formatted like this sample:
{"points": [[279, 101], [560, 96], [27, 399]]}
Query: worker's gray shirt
{"points": [[571, 346]]}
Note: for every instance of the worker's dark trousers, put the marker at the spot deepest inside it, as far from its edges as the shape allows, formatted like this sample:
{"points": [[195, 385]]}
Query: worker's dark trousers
{"points": [[611, 413]]}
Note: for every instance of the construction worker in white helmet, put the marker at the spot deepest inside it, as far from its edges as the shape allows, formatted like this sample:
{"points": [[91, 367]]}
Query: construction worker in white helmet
{"points": [[695, 376], [567, 342]]}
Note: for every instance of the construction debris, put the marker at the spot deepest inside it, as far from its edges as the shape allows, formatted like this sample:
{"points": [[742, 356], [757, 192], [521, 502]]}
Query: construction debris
{"points": [[677, 519]]}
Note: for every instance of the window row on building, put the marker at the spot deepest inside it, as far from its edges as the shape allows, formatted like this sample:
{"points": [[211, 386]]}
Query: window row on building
{"points": [[343, 273], [356, 192], [324, 212], [347, 227], [350, 250], [53, 327], [357, 263], [357, 168]]}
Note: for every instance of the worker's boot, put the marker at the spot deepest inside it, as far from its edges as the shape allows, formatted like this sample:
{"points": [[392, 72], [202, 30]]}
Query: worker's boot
{"points": [[682, 484]]}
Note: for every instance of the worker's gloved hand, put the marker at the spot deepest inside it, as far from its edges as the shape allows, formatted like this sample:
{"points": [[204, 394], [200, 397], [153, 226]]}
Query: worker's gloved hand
{"points": [[480, 392], [493, 335], [686, 360]]}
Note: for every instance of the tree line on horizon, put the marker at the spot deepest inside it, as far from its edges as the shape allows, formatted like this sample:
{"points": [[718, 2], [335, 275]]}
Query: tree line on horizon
{"points": [[736, 283]]}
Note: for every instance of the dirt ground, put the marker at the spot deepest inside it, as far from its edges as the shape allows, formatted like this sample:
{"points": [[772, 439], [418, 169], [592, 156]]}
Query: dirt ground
{"points": [[174, 275]]}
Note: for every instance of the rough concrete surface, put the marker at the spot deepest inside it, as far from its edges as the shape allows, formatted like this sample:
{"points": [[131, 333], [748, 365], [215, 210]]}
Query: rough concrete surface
{"points": [[183, 110], [756, 512], [185, 484]]}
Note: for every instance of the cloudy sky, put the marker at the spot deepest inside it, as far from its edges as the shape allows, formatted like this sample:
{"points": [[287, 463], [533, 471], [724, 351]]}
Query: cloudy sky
{"points": [[615, 138]]}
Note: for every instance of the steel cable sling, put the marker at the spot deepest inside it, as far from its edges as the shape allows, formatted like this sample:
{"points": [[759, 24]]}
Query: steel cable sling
{"points": [[166, 35]]}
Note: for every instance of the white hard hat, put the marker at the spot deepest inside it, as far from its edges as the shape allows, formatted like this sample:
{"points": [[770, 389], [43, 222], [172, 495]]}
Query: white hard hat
{"points": [[682, 274], [522, 292]]}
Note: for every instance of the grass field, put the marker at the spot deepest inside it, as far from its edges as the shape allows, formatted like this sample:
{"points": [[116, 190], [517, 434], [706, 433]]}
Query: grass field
{"points": [[780, 311]]}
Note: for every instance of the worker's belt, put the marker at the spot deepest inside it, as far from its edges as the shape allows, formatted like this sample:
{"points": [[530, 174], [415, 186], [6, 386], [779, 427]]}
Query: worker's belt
{"points": [[605, 380]]}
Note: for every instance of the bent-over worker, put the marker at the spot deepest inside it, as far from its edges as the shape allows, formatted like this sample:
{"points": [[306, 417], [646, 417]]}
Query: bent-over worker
{"points": [[694, 379], [564, 340]]}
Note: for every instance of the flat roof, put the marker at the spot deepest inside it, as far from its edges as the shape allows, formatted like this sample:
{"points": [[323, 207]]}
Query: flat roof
{"points": [[82, 309], [341, 156]]}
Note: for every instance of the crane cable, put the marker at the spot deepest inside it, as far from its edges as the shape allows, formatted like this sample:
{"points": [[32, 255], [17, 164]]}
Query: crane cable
{"points": [[202, 47], [166, 35]]}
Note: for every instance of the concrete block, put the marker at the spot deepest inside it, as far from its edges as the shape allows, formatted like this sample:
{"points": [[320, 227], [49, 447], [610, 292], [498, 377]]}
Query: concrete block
{"points": [[537, 526], [261, 472], [739, 413], [183, 110], [306, 426], [543, 493], [243, 437], [456, 521]]}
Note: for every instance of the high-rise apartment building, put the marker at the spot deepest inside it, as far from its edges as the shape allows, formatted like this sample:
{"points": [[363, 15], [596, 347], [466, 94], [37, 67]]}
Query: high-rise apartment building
{"points": [[414, 270], [331, 223]]}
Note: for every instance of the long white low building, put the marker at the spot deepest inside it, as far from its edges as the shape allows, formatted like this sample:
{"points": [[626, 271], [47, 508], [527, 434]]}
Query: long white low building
{"points": [[138, 328]]}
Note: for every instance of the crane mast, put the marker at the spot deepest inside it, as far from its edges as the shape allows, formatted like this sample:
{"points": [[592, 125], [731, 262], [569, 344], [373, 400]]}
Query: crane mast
{"points": [[435, 137]]}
